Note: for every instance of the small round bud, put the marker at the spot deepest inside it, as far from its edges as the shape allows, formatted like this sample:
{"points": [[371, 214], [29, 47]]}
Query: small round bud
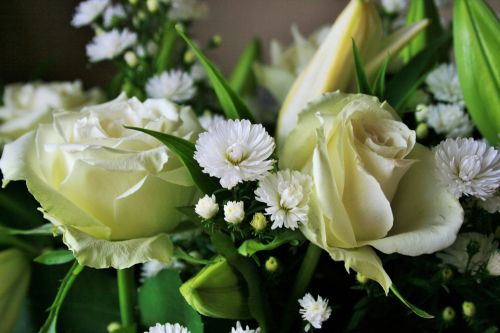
{"points": [[361, 278], [152, 5], [141, 15], [468, 309], [448, 314], [188, 57], [133, 2], [422, 131], [130, 58], [272, 264], [195, 254], [421, 113], [113, 327], [216, 40], [259, 222], [446, 274]]}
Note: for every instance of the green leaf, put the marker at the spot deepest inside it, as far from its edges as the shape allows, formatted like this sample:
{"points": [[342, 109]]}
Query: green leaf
{"points": [[379, 84], [242, 74], [45, 229], [167, 44], [160, 301], [419, 312], [361, 78], [251, 246], [231, 103], [55, 257], [476, 37], [184, 150]]}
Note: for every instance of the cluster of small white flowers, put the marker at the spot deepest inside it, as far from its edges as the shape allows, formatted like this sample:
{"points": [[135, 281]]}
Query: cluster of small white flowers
{"points": [[393, 6], [174, 85], [167, 328], [234, 212], [112, 13], [109, 45], [208, 119], [469, 167], [286, 195], [239, 329], [235, 151], [207, 207], [450, 120], [443, 84], [184, 10], [315, 312], [88, 11], [493, 266], [153, 267]]}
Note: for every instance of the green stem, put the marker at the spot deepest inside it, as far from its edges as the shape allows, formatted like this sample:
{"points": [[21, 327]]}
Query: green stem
{"points": [[126, 294], [182, 255], [304, 276], [67, 282]]}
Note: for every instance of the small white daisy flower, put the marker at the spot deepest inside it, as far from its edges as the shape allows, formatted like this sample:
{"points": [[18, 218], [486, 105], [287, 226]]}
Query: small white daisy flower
{"points": [[491, 204], [239, 329], [153, 267], [235, 151], [88, 11], [113, 12], [443, 84], [456, 255], [174, 85], [207, 207], [184, 10], [393, 6], [315, 312], [450, 120], [493, 266], [286, 195], [469, 167], [167, 328], [234, 212], [108, 45], [208, 119]]}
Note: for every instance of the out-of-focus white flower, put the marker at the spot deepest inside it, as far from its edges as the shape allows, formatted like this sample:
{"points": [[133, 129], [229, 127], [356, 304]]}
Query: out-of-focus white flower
{"points": [[184, 10], [208, 119], [235, 151], [207, 207], [234, 212], [443, 84], [421, 113], [491, 204], [197, 72], [130, 58], [174, 85], [393, 6], [239, 329], [457, 255], [108, 45], [153, 267], [450, 120], [468, 167], [88, 11], [493, 265], [315, 312], [113, 12], [286, 195], [167, 328]]}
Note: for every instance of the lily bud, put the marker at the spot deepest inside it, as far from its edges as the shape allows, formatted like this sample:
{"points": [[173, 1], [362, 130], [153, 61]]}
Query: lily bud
{"points": [[218, 291], [332, 66]]}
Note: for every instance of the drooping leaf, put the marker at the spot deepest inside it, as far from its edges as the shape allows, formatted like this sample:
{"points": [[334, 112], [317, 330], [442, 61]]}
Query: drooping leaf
{"points": [[46, 229], [167, 45], [55, 257], [242, 75], [231, 103], [184, 150], [379, 84], [361, 78], [251, 246], [416, 310]]}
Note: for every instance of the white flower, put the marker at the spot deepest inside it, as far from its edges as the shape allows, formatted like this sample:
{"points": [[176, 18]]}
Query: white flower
{"points": [[182, 10], [239, 329], [493, 265], [235, 151], [153, 267], [457, 255], [315, 312], [174, 85], [197, 72], [393, 6], [208, 119], [88, 11], [468, 167], [450, 120], [112, 13], [207, 207], [286, 194], [234, 212], [167, 328], [108, 45], [491, 204], [443, 84]]}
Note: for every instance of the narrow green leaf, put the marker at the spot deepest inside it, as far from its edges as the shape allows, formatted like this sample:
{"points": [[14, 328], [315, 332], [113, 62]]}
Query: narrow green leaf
{"points": [[476, 37], [251, 246], [416, 310], [231, 103], [55, 257], [379, 84], [167, 44], [184, 150], [361, 78], [45, 229], [242, 75]]}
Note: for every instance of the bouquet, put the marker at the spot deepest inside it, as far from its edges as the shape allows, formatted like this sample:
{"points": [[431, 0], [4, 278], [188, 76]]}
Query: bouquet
{"points": [[176, 199]]}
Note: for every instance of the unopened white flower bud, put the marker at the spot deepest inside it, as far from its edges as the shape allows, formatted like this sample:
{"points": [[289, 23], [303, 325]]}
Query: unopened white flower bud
{"points": [[207, 207], [234, 212]]}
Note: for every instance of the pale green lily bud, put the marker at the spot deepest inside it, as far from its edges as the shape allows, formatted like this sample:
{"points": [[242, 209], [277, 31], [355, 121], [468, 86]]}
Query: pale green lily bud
{"points": [[448, 314], [332, 66], [468, 309], [259, 222], [272, 264], [14, 281], [218, 291]]}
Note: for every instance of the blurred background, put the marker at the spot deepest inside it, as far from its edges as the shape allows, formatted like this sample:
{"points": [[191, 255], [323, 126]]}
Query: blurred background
{"points": [[37, 40]]}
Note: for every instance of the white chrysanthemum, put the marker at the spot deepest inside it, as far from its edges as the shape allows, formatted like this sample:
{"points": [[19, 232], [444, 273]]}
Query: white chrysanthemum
{"points": [[315, 312], [108, 45], [493, 266], [239, 329], [443, 84], [457, 255], [112, 13], [208, 119], [450, 120], [491, 204], [286, 195], [174, 85], [153, 267], [468, 167], [88, 11], [234, 212], [393, 6], [167, 328], [183, 10], [235, 151], [207, 207]]}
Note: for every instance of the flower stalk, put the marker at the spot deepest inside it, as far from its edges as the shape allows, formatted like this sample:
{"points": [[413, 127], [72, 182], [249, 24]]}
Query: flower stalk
{"points": [[126, 295]]}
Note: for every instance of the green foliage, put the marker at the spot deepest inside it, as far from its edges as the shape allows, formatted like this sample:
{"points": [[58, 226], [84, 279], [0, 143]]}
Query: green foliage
{"points": [[361, 78], [55, 257], [251, 246], [242, 75], [419, 312], [167, 45]]}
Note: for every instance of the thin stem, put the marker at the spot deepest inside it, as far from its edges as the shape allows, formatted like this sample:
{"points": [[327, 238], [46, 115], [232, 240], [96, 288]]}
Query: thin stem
{"points": [[182, 255], [126, 294]]}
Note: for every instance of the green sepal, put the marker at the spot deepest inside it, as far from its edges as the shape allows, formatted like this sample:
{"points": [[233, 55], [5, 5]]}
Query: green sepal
{"points": [[55, 257], [251, 246]]}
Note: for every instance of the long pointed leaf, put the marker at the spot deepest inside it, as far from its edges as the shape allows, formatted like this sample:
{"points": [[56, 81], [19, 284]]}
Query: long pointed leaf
{"points": [[416, 310], [164, 58], [242, 75], [361, 79], [379, 84]]}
